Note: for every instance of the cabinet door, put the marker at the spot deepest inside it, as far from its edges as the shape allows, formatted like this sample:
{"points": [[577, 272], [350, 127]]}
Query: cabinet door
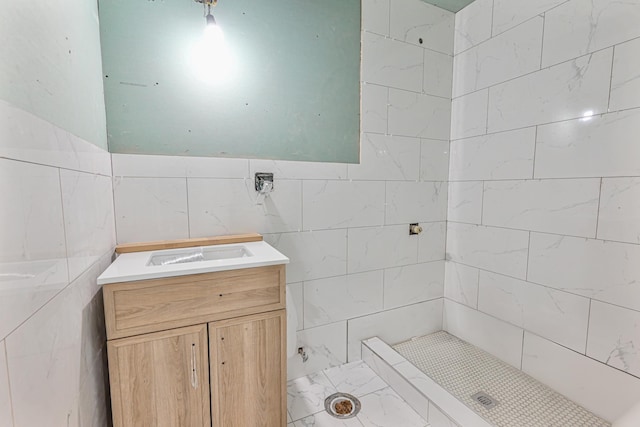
{"points": [[248, 371], [161, 379]]}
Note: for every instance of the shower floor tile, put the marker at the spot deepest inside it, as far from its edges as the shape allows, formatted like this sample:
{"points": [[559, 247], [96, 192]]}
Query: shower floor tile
{"points": [[464, 370], [381, 406]]}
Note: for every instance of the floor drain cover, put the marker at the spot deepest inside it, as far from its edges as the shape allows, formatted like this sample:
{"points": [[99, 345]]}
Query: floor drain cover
{"points": [[342, 405], [485, 400]]}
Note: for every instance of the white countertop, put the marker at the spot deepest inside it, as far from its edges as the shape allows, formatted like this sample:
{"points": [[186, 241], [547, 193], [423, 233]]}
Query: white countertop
{"points": [[135, 266]]}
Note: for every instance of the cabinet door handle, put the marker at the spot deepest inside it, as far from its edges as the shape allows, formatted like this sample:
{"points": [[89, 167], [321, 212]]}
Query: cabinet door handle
{"points": [[194, 367]]}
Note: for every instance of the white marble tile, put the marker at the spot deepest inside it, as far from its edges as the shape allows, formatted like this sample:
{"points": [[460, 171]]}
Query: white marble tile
{"points": [[620, 210], [566, 91], [578, 27], [87, 201], [383, 350], [394, 326], [488, 333], [389, 158], [152, 166], [409, 202], [6, 418], [343, 297], [391, 62], [285, 169], [606, 271], [312, 255], [375, 16], [418, 402], [323, 419], [461, 283], [509, 13], [413, 283], [469, 115], [26, 137], [431, 242], [614, 334], [374, 101], [373, 248], [494, 249], [563, 206], [325, 345], [386, 407], [625, 80], [434, 160], [590, 147], [414, 20], [465, 202], [31, 222], [355, 378], [229, 206], [555, 315], [438, 74], [601, 389], [289, 420], [149, 209], [504, 155], [440, 396], [473, 25], [342, 204], [438, 419], [305, 395], [47, 355], [297, 293], [511, 54], [419, 115]]}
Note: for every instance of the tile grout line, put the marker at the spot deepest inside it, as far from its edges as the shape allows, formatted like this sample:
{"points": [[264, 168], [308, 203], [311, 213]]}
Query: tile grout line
{"points": [[598, 209], [6, 359], [544, 24], [586, 342], [535, 150], [613, 58]]}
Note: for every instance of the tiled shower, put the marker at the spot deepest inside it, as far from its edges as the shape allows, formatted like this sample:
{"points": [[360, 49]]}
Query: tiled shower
{"points": [[509, 131]]}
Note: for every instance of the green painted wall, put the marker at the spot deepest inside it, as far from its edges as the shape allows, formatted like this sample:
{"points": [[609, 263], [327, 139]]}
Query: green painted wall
{"points": [[294, 95]]}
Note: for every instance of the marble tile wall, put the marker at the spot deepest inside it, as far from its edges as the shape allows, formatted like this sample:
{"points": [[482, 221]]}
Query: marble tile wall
{"points": [[57, 229], [543, 243], [58, 234], [355, 272]]}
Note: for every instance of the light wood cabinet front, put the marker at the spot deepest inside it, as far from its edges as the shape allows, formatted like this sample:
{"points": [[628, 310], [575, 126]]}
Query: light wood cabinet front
{"points": [[161, 379], [248, 371]]}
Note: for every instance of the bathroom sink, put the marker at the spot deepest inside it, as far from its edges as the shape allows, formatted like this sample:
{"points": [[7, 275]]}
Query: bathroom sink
{"points": [[187, 261], [190, 255]]}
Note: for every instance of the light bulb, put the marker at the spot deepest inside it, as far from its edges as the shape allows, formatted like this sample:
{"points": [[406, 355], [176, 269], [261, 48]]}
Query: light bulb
{"points": [[210, 57]]}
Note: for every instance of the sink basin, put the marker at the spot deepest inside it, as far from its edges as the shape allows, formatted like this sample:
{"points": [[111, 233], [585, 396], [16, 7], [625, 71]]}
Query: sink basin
{"points": [[189, 255], [158, 264]]}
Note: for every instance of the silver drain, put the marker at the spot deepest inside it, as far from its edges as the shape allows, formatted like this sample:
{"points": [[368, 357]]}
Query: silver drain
{"points": [[485, 400], [342, 405]]}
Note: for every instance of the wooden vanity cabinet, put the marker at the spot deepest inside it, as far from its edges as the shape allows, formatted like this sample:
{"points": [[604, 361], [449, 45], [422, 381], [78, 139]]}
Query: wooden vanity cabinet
{"points": [[198, 351]]}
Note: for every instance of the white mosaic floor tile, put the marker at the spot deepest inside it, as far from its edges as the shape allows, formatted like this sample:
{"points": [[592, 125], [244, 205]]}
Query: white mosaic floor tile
{"points": [[385, 408], [463, 370], [355, 378]]}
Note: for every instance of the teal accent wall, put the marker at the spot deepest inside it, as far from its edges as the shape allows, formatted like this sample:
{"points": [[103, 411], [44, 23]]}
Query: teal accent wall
{"points": [[294, 94]]}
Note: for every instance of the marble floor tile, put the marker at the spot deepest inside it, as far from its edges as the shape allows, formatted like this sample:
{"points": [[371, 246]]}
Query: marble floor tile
{"points": [[323, 419], [355, 378], [386, 408], [305, 395]]}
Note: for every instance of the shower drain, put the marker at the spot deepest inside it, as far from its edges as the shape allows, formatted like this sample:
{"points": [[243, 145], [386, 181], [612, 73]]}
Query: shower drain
{"points": [[342, 405], [485, 400]]}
